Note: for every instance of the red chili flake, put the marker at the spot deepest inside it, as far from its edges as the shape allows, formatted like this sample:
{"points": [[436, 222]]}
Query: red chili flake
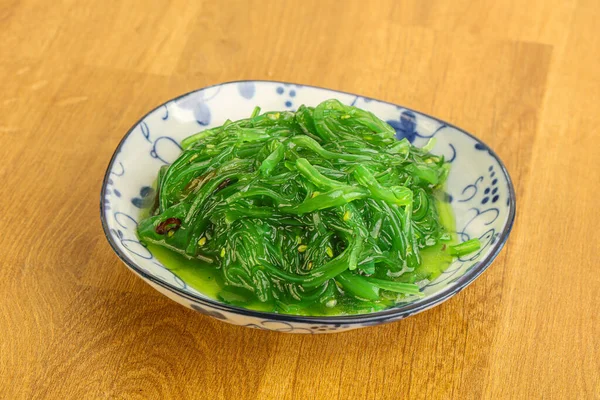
{"points": [[169, 224]]}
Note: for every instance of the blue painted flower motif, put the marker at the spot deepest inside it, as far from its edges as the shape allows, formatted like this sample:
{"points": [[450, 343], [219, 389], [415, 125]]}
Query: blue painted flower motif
{"points": [[202, 114], [281, 90], [482, 147], [145, 131], [210, 313], [406, 127], [282, 326], [165, 149], [118, 171], [197, 103], [146, 198], [125, 221], [255, 326], [247, 89], [471, 190], [137, 248], [494, 189]]}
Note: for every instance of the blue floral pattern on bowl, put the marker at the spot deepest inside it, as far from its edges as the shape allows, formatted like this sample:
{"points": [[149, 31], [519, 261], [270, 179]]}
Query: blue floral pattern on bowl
{"points": [[479, 190]]}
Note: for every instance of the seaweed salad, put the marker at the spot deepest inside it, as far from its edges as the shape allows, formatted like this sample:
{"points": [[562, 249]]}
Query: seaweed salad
{"points": [[315, 212]]}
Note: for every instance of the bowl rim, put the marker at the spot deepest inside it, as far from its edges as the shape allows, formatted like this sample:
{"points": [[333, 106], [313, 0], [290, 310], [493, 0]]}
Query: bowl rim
{"points": [[387, 315]]}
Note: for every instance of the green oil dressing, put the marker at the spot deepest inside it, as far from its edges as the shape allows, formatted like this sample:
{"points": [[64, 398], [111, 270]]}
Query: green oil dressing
{"points": [[207, 279], [436, 259]]}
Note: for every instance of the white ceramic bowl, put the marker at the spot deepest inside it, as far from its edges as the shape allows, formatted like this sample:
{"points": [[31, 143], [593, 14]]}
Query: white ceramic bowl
{"points": [[479, 189]]}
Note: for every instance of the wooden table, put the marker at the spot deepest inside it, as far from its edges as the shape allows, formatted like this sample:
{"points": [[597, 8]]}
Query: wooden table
{"points": [[75, 75]]}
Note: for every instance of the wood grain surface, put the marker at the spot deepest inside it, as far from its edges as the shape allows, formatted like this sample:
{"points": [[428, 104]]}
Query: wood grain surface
{"points": [[75, 75]]}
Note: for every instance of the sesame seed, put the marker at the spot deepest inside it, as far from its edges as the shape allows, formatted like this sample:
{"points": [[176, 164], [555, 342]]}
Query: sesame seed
{"points": [[329, 251]]}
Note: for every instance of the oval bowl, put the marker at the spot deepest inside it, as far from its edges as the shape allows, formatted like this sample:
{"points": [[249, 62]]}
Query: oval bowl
{"points": [[479, 190]]}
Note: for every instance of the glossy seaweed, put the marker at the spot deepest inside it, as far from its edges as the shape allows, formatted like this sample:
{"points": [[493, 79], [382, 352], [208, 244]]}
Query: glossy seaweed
{"points": [[315, 209]]}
